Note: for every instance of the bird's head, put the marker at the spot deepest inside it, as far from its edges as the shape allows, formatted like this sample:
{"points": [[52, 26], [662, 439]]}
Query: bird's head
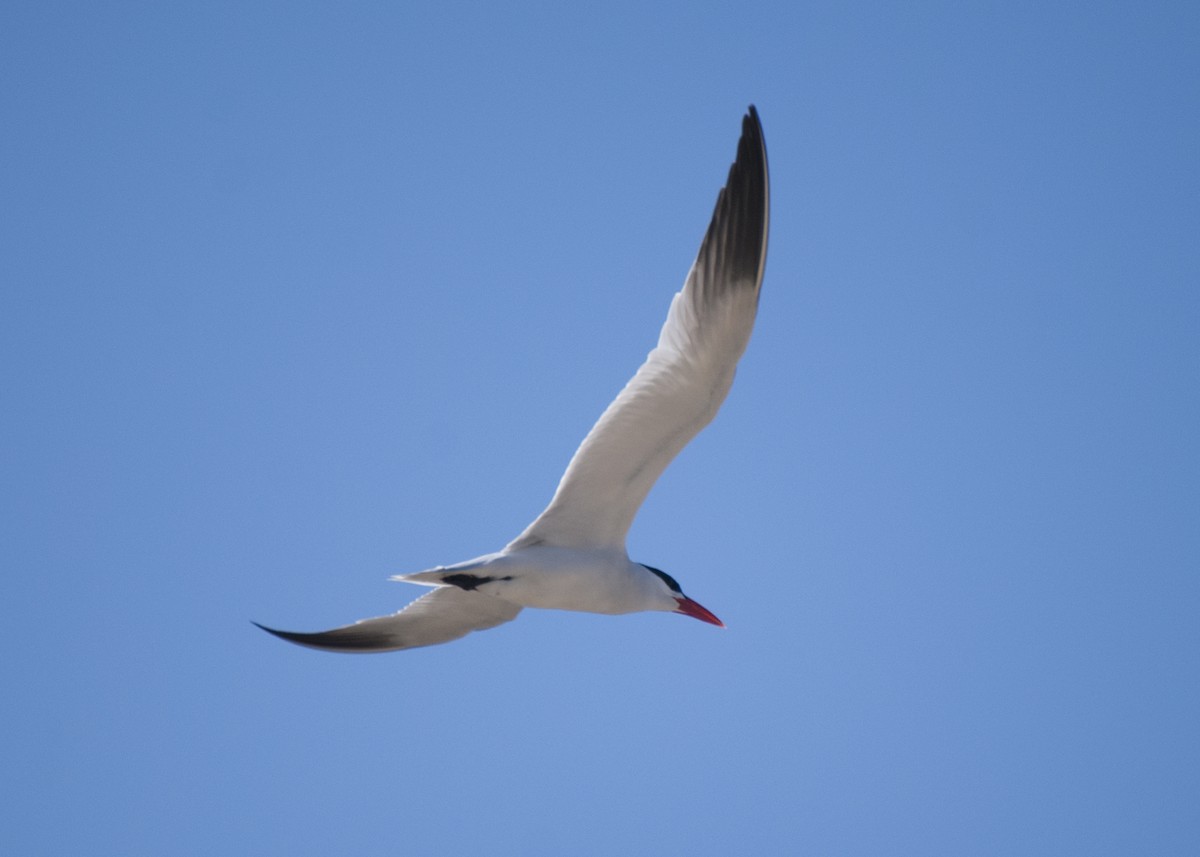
{"points": [[682, 604]]}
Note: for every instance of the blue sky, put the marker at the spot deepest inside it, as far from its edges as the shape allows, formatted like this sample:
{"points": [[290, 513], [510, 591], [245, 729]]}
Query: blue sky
{"points": [[299, 296]]}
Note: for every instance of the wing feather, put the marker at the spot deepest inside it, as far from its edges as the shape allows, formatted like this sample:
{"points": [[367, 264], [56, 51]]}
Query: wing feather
{"points": [[681, 385], [442, 615]]}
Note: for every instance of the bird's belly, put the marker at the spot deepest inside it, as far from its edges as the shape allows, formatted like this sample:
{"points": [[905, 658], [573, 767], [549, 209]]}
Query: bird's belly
{"points": [[564, 583], [564, 592]]}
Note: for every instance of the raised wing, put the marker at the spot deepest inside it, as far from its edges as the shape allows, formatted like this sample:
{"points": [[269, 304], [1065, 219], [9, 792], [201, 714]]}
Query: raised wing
{"points": [[681, 386], [443, 615]]}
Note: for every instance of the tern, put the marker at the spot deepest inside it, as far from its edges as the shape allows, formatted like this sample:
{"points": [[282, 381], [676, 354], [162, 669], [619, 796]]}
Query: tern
{"points": [[573, 556]]}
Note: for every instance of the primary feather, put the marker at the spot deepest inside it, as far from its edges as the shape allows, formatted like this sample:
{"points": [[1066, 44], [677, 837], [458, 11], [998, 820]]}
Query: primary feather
{"points": [[443, 615], [681, 386]]}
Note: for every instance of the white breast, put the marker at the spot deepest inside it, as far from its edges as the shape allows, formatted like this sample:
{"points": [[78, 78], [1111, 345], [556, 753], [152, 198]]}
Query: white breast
{"points": [[559, 578]]}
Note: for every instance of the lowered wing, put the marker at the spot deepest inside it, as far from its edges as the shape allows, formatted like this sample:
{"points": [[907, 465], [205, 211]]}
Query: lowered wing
{"points": [[443, 615]]}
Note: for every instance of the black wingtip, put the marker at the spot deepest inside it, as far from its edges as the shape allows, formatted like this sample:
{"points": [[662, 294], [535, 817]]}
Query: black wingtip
{"points": [[351, 638], [290, 636], [282, 634], [752, 147], [737, 237]]}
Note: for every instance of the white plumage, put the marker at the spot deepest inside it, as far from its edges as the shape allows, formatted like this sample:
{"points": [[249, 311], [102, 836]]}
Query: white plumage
{"points": [[572, 557]]}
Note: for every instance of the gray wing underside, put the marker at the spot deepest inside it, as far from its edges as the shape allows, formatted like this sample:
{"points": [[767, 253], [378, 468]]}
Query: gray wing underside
{"points": [[681, 385], [442, 615]]}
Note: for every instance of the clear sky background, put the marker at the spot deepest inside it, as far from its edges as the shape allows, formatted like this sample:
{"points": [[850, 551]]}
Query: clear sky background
{"points": [[298, 296]]}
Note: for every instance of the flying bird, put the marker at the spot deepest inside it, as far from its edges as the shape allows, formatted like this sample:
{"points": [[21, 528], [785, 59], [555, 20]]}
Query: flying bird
{"points": [[573, 556]]}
